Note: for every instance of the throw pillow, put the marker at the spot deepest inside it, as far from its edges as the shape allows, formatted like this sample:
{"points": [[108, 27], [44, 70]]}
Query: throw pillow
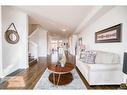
{"points": [[89, 57]]}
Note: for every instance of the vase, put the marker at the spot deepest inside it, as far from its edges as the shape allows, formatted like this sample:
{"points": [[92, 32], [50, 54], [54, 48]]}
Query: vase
{"points": [[62, 65]]}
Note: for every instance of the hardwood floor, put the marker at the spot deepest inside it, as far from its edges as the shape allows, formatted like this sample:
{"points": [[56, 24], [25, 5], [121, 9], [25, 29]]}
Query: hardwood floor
{"points": [[30, 76]]}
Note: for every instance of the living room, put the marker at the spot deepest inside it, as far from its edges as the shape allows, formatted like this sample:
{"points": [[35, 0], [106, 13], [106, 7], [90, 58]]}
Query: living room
{"points": [[99, 32]]}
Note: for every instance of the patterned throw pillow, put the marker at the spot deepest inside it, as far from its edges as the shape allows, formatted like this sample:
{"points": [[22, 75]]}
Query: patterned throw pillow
{"points": [[89, 57]]}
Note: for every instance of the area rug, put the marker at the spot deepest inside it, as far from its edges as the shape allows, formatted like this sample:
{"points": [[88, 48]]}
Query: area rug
{"points": [[45, 84]]}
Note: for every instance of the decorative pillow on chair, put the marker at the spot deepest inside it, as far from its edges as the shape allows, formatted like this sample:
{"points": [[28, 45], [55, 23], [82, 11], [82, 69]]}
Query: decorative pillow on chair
{"points": [[89, 57]]}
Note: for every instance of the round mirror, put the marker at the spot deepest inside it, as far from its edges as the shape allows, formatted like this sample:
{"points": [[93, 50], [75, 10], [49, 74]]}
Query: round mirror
{"points": [[12, 36]]}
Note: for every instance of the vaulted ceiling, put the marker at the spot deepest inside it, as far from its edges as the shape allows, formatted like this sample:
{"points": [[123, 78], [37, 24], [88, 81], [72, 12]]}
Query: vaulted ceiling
{"points": [[58, 20]]}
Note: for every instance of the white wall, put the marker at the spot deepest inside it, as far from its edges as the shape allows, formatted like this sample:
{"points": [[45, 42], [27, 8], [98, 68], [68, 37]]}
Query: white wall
{"points": [[114, 16], [72, 42], [0, 45], [49, 46], [39, 36], [14, 56]]}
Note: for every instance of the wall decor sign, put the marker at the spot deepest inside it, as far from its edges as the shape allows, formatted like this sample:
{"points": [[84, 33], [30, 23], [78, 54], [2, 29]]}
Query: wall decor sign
{"points": [[112, 34], [11, 34]]}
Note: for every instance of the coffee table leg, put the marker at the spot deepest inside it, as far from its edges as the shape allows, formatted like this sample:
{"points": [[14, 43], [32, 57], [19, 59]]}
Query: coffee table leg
{"points": [[58, 80], [54, 78]]}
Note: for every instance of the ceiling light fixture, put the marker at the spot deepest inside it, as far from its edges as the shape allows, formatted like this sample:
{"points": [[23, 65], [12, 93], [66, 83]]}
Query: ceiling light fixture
{"points": [[63, 29]]}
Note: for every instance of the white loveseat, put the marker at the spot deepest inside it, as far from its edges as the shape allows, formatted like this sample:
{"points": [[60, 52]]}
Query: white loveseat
{"points": [[107, 69]]}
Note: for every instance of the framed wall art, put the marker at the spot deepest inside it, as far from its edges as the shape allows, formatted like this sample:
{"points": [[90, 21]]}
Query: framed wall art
{"points": [[111, 34]]}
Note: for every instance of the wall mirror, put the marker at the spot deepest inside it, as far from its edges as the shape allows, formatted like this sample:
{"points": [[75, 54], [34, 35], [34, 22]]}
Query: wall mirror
{"points": [[11, 35]]}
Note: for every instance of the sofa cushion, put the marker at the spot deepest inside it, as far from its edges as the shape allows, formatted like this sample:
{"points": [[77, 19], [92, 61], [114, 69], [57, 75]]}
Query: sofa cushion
{"points": [[104, 57], [104, 67], [116, 59], [89, 57]]}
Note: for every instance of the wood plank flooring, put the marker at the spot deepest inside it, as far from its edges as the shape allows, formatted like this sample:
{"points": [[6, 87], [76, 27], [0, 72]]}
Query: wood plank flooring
{"points": [[33, 73], [30, 76]]}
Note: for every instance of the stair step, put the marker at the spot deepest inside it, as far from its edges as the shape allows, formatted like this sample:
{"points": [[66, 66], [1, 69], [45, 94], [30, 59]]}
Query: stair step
{"points": [[31, 59], [33, 62], [31, 56]]}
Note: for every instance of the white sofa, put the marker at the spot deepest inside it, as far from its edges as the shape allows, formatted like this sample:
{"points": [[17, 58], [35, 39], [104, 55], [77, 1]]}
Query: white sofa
{"points": [[107, 69]]}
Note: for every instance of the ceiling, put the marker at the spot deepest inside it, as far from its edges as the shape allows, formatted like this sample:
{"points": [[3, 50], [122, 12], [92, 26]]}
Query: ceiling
{"points": [[61, 21], [58, 20]]}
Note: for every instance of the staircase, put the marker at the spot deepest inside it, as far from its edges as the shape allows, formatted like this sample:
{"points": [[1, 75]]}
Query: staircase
{"points": [[32, 60], [32, 44]]}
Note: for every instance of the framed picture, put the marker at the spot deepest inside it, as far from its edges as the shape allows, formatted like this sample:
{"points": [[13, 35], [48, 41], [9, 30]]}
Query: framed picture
{"points": [[112, 34]]}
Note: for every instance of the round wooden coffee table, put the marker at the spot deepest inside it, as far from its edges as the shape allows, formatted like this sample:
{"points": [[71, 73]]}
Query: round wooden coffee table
{"points": [[60, 75]]}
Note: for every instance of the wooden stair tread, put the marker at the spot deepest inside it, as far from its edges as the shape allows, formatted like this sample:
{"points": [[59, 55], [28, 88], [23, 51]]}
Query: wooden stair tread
{"points": [[34, 61]]}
